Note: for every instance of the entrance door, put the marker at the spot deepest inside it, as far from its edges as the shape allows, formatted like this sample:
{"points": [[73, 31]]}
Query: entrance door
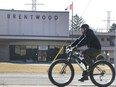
{"points": [[42, 55]]}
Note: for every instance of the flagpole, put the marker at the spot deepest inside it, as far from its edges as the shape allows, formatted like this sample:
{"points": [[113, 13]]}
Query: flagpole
{"points": [[71, 8], [72, 21]]}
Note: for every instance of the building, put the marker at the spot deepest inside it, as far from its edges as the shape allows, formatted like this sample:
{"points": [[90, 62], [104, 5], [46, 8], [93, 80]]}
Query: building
{"points": [[32, 35], [38, 36]]}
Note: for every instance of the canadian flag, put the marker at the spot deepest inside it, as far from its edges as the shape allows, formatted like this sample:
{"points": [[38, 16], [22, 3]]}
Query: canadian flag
{"points": [[69, 7]]}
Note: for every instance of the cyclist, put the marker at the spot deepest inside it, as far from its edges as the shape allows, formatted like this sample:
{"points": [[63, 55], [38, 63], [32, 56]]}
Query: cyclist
{"points": [[94, 47]]}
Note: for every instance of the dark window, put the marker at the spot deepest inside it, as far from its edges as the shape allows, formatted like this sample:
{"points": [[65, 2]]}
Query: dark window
{"points": [[108, 39], [102, 39]]}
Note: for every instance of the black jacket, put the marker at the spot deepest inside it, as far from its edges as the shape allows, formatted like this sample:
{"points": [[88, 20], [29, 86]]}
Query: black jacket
{"points": [[87, 38]]}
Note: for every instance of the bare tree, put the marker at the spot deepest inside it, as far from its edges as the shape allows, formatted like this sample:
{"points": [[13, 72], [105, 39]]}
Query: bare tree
{"points": [[113, 28]]}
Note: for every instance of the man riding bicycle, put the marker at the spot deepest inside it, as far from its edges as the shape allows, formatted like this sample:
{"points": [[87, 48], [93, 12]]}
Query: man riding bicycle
{"points": [[94, 47]]}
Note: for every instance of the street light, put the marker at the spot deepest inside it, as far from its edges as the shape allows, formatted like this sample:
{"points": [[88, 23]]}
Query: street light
{"points": [[107, 55]]}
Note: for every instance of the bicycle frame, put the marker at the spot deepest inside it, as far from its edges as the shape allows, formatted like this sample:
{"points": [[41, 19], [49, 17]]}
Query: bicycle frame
{"points": [[76, 58]]}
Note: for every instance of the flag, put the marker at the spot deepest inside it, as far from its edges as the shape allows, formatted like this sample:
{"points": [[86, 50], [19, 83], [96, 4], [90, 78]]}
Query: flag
{"points": [[69, 7]]}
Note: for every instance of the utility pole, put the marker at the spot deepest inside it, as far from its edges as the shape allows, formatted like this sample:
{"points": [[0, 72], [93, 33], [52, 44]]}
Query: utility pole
{"points": [[34, 4], [108, 20], [108, 27]]}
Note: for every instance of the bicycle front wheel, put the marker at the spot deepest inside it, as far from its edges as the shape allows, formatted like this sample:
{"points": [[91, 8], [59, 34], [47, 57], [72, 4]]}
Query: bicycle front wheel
{"points": [[61, 73], [103, 74]]}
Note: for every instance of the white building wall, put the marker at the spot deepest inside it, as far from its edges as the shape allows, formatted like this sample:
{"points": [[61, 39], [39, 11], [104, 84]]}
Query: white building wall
{"points": [[37, 23]]}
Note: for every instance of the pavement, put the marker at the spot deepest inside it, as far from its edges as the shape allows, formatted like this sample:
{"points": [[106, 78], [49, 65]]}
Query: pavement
{"points": [[38, 80]]}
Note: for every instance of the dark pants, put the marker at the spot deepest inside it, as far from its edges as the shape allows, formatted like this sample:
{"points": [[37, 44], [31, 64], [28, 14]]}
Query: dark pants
{"points": [[90, 56]]}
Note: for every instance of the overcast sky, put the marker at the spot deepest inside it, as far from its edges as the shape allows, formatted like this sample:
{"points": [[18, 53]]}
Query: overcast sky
{"points": [[92, 11]]}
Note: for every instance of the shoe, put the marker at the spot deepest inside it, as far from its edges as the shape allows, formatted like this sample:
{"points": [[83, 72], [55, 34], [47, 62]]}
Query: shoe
{"points": [[83, 79]]}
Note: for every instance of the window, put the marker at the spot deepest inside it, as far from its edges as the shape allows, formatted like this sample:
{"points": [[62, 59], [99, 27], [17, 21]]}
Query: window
{"points": [[112, 60], [102, 39], [108, 39], [21, 50], [17, 49]]}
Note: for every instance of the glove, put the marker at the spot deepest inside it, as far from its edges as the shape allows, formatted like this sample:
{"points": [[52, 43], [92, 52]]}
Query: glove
{"points": [[68, 47]]}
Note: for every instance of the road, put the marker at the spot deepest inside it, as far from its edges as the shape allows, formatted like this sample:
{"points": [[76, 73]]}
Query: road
{"points": [[37, 80]]}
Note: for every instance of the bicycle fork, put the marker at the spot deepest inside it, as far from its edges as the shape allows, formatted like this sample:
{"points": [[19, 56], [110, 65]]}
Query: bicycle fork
{"points": [[63, 69]]}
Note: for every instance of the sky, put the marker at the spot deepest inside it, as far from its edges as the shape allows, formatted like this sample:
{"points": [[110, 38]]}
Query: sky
{"points": [[94, 12]]}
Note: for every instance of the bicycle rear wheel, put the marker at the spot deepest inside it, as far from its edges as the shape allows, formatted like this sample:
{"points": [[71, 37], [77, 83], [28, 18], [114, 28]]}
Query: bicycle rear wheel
{"points": [[103, 74], [61, 73]]}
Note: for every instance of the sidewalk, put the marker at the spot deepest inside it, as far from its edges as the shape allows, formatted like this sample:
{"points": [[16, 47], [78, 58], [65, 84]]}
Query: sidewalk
{"points": [[40, 86], [38, 80]]}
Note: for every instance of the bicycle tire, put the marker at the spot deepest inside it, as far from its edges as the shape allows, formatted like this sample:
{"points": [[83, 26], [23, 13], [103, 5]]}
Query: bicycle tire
{"points": [[112, 70], [50, 75]]}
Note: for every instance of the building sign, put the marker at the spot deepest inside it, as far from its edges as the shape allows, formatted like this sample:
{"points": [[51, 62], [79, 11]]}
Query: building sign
{"points": [[43, 47], [39, 23], [19, 16]]}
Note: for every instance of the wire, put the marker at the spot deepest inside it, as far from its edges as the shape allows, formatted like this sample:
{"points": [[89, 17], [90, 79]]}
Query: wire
{"points": [[86, 7]]}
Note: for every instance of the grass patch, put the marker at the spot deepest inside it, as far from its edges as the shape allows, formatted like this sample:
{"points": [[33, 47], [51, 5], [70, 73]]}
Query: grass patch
{"points": [[23, 68], [28, 68], [34, 68]]}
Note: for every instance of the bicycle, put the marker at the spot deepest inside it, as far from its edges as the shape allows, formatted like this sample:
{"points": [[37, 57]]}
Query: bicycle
{"points": [[61, 72]]}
